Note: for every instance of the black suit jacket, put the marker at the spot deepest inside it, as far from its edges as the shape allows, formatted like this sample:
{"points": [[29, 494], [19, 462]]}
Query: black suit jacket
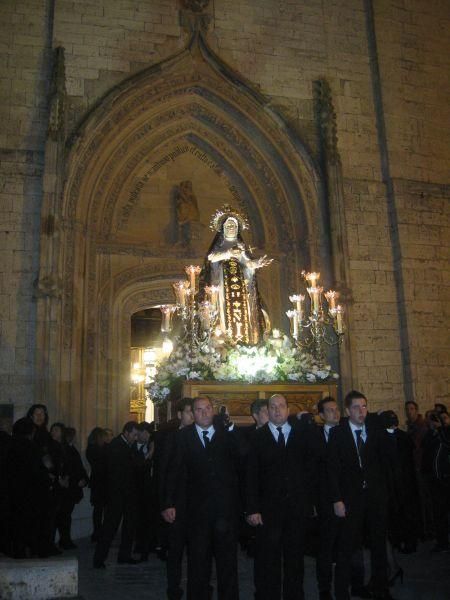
{"points": [[120, 470], [345, 475], [170, 493], [208, 479], [274, 477]]}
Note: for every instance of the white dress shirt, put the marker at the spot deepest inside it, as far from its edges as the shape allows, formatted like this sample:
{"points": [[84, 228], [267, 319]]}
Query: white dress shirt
{"points": [[326, 431], [363, 434], [363, 437], [285, 429], [211, 431]]}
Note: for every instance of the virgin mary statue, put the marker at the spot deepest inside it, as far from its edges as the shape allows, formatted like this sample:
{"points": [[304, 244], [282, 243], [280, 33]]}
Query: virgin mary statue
{"points": [[230, 266]]}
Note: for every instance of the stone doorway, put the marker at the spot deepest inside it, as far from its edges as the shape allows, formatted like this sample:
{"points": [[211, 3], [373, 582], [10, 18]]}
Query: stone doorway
{"points": [[115, 239]]}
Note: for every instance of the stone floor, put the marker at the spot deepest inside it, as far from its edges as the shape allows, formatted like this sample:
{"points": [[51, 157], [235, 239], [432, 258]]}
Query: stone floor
{"points": [[427, 577]]}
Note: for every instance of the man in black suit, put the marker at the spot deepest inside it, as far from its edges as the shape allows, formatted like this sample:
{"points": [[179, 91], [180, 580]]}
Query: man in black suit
{"points": [[329, 412], [122, 497], [205, 470], [357, 464], [176, 529], [280, 480]]}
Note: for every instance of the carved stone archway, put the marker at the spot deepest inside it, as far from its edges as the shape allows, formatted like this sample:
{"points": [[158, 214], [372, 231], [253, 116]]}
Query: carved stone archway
{"points": [[191, 100]]}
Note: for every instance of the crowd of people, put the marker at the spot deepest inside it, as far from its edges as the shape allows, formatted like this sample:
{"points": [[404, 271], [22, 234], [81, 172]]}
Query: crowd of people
{"points": [[287, 486]]}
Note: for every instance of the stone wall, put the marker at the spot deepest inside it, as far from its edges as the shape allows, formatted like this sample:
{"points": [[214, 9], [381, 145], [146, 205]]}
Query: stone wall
{"points": [[24, 71], [395, 188]]}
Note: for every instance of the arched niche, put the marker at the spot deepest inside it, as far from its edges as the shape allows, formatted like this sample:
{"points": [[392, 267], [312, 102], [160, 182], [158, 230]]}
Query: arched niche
{"points": [[188, 110]]}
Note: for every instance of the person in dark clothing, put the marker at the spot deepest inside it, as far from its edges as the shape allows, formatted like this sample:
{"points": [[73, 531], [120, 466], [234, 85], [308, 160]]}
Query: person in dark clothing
{"points": [[280, 496], [176, 530], [329, 412], [28, 484], [260, 416], [404, 520], [58, 497], [96, 457], [357, 460], [5, 444], [76, 478], [121, 501], [50, 454], [436, 471], [146, 537], [205, 471]]}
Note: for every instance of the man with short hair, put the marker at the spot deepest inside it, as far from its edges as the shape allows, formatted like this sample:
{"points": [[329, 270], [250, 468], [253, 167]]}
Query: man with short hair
{"points": [[147, 514], [205, 471], [416, 428], [330, 414], [281, 473], [122, 497], [357, 463], [259, 412], [176, 527]]}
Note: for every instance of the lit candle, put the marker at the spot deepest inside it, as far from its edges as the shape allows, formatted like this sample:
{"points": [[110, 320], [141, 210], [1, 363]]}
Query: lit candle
{"points": [[314, 294], [298, 300], [213, 294], [167, 310], [312, 278], [180, 288], [205, 315], [331, 297], [339, 319], [193, 272], [293, 317]]}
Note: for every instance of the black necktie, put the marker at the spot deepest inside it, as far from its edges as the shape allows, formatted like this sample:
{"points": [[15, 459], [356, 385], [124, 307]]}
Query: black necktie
{"points": [[281, 442], [206, 440], [359, 440]]}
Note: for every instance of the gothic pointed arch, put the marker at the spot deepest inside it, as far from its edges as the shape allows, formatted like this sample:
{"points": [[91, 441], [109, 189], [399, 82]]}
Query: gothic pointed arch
{"points": [[190, 108]]}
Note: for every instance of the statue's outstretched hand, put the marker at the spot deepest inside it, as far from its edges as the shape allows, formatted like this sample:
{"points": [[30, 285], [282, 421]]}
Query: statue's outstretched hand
{"points": [[262, 262]]}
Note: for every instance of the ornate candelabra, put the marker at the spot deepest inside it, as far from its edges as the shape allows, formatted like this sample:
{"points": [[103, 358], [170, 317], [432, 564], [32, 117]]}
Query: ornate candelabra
{"points": [[311, 329], [198, 317]]}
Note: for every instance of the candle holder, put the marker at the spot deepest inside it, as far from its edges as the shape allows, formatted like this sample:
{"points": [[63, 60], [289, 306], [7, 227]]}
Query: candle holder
{"points": [[167, 311], [318, 328], [199, 318]]}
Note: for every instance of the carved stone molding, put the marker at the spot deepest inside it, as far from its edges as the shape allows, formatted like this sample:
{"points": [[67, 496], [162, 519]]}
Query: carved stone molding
{"points": [[326, 119], [58, 96]]}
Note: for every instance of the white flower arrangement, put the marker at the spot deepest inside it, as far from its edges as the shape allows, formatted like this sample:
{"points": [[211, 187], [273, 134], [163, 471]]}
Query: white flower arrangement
{"points": [[273, 361]]}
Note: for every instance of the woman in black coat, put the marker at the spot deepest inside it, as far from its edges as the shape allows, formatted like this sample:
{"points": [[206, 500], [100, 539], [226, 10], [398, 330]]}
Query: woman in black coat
{"points": [[49, 453], [28, 485]]}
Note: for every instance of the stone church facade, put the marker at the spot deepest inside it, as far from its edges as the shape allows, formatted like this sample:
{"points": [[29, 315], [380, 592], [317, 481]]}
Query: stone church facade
{"points": [[328, 123]]}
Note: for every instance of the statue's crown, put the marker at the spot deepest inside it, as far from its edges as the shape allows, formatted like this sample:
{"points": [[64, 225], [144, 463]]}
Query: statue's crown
{"points": [[222, 215]]}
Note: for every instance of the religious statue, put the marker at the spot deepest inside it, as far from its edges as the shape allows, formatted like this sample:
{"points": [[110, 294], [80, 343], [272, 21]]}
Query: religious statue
{"points": [[230, 266], [186, 210]]}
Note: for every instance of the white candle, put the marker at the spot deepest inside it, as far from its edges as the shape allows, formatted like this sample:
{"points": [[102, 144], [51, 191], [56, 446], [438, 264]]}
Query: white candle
{"points": [[339, 320], [331, 297], [213, 293], [180, 292], [293, 316], [298, 300], [312, 278], [193, 272]]}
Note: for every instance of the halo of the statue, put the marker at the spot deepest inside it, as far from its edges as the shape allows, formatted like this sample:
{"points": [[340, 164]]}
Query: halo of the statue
{"points": [[222, 214]]}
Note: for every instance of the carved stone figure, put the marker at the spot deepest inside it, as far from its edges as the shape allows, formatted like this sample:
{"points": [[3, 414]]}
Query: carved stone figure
{"points": [[187, 212], [196, 6]]}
